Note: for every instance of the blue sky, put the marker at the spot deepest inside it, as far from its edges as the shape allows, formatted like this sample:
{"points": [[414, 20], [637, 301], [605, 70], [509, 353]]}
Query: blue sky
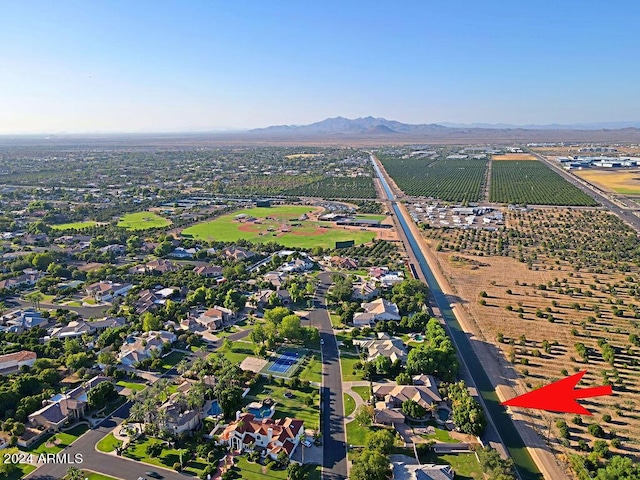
{"points": [[175, 65]]}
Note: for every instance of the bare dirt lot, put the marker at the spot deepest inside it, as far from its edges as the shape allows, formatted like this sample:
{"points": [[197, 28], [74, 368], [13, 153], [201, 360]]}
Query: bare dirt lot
{"points": [[618, 181], [514, 156], [557, 292]]}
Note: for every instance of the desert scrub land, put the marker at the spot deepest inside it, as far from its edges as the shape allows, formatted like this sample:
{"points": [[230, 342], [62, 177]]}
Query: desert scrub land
{"points": [[556, 291]]}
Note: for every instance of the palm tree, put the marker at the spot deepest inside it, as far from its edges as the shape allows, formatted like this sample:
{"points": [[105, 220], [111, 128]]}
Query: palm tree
{"points": [[35, 298], [137, 413], [161, 419], [182, 366], [74, 473]]}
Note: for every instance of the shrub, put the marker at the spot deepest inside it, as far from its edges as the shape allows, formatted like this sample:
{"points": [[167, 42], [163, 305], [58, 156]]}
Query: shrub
{"points": [[596, 430]]}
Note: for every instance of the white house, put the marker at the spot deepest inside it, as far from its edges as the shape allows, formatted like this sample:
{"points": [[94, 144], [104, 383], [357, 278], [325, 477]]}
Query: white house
{"points": [[274, 436], [138, 348], [12, 362], [106, 291], [376, 311], [385, 345], [297, 265]]}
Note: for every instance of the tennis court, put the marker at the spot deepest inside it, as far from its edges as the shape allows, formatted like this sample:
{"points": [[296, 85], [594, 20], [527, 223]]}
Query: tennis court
{"points": [[283, 363]]}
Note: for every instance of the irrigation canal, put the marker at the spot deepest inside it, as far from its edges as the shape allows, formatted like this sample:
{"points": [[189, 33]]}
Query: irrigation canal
{"points": [[525, 465]]}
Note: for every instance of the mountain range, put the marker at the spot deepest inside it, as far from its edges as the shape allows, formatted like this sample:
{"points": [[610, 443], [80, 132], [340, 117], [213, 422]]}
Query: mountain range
{"points": [[375, 129]]}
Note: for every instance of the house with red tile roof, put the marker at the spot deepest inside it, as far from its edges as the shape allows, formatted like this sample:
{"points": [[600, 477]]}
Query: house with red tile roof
{"points": [[267, 436]]}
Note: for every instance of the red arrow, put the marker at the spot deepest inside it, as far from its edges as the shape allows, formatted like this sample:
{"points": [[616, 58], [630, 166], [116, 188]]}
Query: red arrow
{"points": [[559, 396]]}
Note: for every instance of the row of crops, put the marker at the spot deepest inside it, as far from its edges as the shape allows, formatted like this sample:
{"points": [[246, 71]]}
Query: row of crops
{"points": [[533, 183], [450, 180], [336, 187]]}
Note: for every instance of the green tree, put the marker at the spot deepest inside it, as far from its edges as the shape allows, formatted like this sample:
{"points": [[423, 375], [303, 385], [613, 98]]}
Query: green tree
{"points": [[619, 468], [413, 409], [381, 440], [382, 364], [494, 465], [150, 322], [275, 315], [290, 327], [42, 260], [296, 472], [364, 415], [370, 465]]}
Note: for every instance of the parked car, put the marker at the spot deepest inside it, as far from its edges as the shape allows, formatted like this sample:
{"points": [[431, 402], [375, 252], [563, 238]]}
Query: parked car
{"points": [[153, 474]]}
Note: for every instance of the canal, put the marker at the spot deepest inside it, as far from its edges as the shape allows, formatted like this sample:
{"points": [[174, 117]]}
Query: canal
{"points": [[524, 463]]}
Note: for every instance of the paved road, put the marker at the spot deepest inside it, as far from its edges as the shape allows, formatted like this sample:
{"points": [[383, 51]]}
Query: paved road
{"points": [[501, 424], [111, 465], [333, 433]]}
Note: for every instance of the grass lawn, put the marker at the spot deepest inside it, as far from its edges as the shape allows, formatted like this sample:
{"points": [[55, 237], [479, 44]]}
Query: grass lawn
{"points": [[96, 476], [357, 435], [335, 320], [108, 444], [135, 386], [168, 456], [171, 360], [465, 465], [61, 439], [290, 407], [364, 392], [24, 469], [442, 434], [89, 475], [307, 234], [254, 471], [313, 370], [74, 225], [349, 404], [143, 221], [371, 216], [238, 352], [349, 374], [341, 337]]}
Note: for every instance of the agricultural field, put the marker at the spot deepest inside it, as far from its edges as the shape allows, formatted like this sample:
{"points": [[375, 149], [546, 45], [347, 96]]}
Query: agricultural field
{"points": [[74, 225], [143, 221], [619, 181], [557, 292], [514, 156], [529, 182], [450, 180], [279, 224], [337, 187]]}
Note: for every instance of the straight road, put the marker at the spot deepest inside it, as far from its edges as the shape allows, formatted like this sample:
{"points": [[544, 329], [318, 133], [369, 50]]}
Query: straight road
{"points": [[500, 425], [333, 433]]}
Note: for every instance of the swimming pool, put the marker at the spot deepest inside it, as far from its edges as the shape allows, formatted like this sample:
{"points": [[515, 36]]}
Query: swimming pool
{"points": [[214, 410], [443, 414], [260, 413]]}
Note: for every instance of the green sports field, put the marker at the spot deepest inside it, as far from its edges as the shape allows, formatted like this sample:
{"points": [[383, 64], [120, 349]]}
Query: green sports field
{"points": [[143, 221], [74, 225], [280, 224]]}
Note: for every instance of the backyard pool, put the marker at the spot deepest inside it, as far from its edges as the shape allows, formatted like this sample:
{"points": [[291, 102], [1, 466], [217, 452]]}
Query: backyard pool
{"points": [[261, 411], [214, 410], [443, 414]]}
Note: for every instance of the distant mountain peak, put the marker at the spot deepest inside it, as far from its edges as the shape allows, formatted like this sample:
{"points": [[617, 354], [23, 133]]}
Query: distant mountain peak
{"points": [[345, 126]]}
